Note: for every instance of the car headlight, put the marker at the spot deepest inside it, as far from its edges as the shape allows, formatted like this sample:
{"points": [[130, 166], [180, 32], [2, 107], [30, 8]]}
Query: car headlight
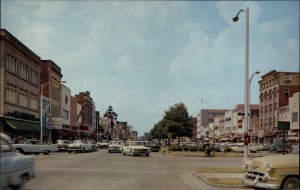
{"points": [[269, 167]]}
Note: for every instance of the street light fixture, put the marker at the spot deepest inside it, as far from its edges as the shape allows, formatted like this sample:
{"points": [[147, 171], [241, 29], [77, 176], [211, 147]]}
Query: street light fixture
{"points": [[235, 19], [251, 128]]}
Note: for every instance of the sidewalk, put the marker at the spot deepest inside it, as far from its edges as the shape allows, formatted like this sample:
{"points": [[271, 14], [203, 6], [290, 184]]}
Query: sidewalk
{"points": [[204, 177]]}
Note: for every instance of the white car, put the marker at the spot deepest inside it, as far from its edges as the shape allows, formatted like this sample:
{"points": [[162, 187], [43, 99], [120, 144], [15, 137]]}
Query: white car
{"points": [[239, 147], [79, 146], [15, 168], [34, 146], [114, 146], [133, 148]]}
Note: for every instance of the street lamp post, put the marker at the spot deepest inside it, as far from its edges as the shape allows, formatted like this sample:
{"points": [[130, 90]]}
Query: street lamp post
{"points": [[251, 128], [235, 19]]}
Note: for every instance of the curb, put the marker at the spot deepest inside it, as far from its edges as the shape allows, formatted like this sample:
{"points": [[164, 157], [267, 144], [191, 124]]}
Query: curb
{"points": [[204, 179]]}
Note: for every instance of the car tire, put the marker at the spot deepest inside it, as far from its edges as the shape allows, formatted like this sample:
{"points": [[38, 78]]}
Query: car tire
{"points": [[46, 152], [290, 183], [19, 150], [36, 153], [147, 155]]}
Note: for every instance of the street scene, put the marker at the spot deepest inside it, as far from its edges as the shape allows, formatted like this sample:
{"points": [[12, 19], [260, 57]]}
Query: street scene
{"points": [[149, 95]]}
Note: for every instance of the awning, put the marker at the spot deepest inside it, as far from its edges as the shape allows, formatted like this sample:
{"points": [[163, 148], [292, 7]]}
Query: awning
{"points": [[23, 125]]}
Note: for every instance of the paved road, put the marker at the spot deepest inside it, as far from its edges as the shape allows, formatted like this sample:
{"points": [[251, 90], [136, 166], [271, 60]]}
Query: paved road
{"points": [[113, 171]]}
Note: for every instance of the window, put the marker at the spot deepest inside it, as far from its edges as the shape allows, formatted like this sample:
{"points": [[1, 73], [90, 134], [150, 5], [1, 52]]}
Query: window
{"points": [[24, 71], [275, 106], [34, 76], [11, 94], [270, 107], [33, 102], [23, 98], [11, 64], [286, 92], [294, 117], [270, 121], [266, 108], [65, 114]]}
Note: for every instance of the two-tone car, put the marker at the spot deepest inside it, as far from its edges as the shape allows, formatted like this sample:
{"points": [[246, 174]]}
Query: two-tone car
{"points": [[62, 145], [273, 172], [15, 168], [79, 146], [114, 146], [134, 148]]}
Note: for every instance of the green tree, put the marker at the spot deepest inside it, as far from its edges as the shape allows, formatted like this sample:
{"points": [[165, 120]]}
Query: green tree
{"points": [[159, 131], [177, 121]]}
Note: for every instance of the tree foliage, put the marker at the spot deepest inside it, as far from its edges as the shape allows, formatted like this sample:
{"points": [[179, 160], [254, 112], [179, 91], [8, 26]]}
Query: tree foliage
{"points": [[176, 121]]}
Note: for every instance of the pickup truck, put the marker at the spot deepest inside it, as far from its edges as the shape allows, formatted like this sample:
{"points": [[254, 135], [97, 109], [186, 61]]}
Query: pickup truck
{"points": [[15, 168], [34, 146]]}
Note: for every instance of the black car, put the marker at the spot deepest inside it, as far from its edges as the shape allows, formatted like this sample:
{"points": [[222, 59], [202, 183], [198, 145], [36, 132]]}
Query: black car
{"points": [[155, 148]]}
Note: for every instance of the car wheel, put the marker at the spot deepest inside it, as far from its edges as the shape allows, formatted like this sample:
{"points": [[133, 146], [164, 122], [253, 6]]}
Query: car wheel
{"points": [[36, 153], [46, 152], [131, 153], [69, 151], [147, 154], [108, 151], [290, 183], [19, 150]]}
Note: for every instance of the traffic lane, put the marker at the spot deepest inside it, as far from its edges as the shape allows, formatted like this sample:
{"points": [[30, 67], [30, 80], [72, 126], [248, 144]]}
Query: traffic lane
{"points": [[104, 170]]}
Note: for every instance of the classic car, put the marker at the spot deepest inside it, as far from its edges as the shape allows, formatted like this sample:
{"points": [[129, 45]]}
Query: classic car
{"points": [[15, 168], [133, 148], [114, 146], [279, 146], [239, 147], [79, 146], [93, 144], [155, 147], [273, 172], [34, 146], [103, 144], [62, 145], [262, 147]]}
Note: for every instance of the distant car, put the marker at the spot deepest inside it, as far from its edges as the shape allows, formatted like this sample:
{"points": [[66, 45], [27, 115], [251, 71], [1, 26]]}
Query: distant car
{"points": [[155, 147], [15, 168], [114, 146], [103, 144], [79, 146], [279, 146], [273, 172], [62, 145], [133, 148], [239, 147], [262, 147]]}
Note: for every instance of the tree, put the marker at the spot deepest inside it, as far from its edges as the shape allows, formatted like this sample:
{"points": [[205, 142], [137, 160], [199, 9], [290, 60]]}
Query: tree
{"points": [[178, 122], [159, 131]]}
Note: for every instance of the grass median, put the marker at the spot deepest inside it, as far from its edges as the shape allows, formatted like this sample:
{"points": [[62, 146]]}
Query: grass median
{"points": [[223, 181]]}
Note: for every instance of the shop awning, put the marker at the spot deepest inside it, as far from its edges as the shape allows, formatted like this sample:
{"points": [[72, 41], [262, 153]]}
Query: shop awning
{"points": [[23, 125]]}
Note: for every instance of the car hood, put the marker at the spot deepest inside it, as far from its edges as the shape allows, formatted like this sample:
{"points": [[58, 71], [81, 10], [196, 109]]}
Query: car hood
{"points": [[277, 161]]}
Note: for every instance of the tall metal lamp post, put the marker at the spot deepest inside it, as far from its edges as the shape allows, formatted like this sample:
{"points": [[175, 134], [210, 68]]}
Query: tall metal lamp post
{"points": [[251, 128], [246, 136]]}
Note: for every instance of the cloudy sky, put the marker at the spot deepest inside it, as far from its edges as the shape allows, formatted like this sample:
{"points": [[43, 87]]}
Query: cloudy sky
{"points": [[142, 57]]}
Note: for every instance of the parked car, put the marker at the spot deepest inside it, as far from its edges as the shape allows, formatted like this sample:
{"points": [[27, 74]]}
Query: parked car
{"points": [[15, 168], [273, 172], [103, 144], [133, 148], [79, 146], [262, 147], [62, 145], [34, 146], [239, 147], [114, 146], [93, 144], [278, 147]]}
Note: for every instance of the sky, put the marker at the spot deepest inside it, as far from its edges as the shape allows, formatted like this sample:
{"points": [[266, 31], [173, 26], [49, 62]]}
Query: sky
{"points": [[141, 57]]}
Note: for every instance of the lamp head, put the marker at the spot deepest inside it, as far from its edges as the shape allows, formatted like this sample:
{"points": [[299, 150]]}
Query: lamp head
{"points": [[235, 19]]}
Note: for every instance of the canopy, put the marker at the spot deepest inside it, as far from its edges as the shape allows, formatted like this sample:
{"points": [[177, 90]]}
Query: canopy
{"points": [[23, 125]]}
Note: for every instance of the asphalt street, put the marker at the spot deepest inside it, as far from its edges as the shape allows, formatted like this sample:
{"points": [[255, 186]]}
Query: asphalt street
{"points": [[113, 171]]}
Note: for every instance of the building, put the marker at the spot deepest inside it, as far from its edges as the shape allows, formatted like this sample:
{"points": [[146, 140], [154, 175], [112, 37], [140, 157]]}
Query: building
{"points": [[206, 116], [194, 129], [85, 117], [19, 88], [275, 90]]}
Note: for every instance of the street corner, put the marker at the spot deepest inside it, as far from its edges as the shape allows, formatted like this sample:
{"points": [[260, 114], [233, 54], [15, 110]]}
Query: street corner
{"points": [[225, 180]]}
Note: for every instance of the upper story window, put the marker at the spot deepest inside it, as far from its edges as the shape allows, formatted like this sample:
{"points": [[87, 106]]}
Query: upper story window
{"points": [[23, 98], [11, 94], [294, 117], [12, 64], [34, 77], [286, 92], [24, 71]]}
